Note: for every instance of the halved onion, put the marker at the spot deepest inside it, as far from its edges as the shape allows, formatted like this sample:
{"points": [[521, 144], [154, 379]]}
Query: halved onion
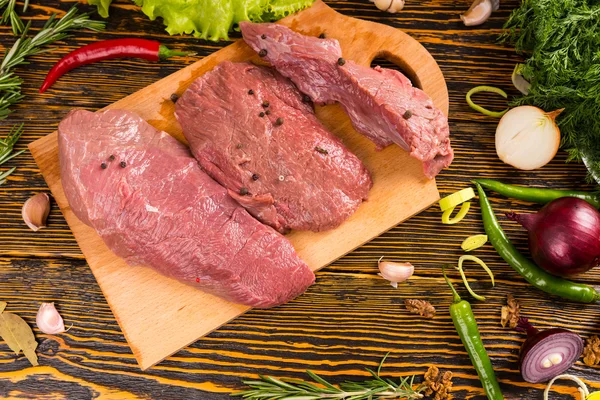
{"points": [[547, 354], [527, 137]]}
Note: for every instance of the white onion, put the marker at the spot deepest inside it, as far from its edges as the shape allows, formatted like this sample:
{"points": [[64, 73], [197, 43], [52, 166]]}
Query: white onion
{"points": [[527, 137]]}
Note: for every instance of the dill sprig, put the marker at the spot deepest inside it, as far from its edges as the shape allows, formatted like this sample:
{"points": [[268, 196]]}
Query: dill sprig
{"points": [[269, 388], [6, 150], [24, 47], [10, 15], [561, 40]]}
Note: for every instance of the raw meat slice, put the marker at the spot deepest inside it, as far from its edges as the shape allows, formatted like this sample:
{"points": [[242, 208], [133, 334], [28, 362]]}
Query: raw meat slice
{"points": [[251, 131], [154, 206], [381, 103]]}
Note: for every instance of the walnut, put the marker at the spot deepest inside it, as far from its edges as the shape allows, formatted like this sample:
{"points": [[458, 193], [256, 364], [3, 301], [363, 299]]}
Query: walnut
{"points": [[438, 386], [421, 307], [510, 312], [591, 352]]}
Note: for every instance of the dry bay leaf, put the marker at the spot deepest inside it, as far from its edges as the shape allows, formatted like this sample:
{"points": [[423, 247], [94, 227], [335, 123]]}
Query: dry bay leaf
{"points": [[17, 334]]}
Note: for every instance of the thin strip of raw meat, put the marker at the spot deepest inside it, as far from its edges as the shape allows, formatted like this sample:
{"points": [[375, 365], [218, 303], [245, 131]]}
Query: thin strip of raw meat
{"points": [[250, 129], [381, 103], [151, 203]]}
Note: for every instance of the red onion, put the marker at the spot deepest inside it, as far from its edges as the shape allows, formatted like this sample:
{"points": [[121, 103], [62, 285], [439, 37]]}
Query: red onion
{"points": [[564, 236], [549, 353]]}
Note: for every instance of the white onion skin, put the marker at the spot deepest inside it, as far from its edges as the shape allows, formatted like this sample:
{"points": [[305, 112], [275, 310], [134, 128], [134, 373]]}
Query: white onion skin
{"points": [[540, 345]]}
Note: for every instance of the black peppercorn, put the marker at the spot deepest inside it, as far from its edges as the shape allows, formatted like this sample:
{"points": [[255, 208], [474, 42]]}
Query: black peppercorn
{"points": [[279, 121], [174, 97], [262, 53], [250, 91], [268, 112], [321, 150], [263, 36], [123, 164], [265, 104], [305, 98], [254, 177], [103, 165], [322, 36], [341, 61], [243, 191], [112, 157], [262, 114], [407, 114]]}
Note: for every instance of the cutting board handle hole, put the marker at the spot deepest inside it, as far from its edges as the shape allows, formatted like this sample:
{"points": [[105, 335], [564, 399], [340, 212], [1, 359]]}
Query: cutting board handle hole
{"points": [[386, 59]]}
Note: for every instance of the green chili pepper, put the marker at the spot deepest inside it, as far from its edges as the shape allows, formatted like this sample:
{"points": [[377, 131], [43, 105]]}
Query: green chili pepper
{"points": [[537, 195], [526, 268], [466, 326]]}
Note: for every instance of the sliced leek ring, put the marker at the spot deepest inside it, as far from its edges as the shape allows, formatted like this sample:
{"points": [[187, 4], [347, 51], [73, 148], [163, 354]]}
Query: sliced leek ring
{"points": [[474, 242], [456, 198]]}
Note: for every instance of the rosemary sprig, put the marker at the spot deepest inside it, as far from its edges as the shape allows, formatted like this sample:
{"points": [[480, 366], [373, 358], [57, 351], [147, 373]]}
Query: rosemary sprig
{"points": [[6, 150], [269, 388], [10, 15], [24, 47]]}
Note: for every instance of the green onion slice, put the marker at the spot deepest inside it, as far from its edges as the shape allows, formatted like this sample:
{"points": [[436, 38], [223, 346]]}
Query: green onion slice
{"points": [[477, 89], [464, 278], [474, 242], [464, 209]]}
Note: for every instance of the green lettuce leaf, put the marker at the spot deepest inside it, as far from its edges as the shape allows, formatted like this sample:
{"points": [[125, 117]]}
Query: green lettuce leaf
{"points": [[211, 19], [102, 6]]}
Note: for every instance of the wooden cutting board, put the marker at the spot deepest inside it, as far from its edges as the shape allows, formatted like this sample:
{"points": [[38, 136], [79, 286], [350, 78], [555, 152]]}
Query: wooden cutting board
{"points": [[160, 316]]}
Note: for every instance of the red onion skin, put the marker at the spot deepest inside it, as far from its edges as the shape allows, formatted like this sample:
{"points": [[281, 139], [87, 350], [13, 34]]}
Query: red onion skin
{"points": [[564, 236]]}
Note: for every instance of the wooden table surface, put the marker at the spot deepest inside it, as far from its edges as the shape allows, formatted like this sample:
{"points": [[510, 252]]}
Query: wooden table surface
{"points": [[350, 318]]}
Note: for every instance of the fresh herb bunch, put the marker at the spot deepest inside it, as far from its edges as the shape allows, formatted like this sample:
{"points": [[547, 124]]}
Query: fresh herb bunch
{"points": [[53, 30], [269, 388], [6, 150], [10, 15], [561, 39]]}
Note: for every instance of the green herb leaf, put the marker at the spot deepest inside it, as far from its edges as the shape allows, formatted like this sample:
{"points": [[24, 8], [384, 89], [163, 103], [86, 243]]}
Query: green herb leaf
{"points": [[561, 40], [10, 84], [269, 388], [17, 334]]}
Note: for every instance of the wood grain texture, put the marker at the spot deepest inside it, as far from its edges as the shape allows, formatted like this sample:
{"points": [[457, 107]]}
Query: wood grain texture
{"points": [[351, 318], [159, 315]]}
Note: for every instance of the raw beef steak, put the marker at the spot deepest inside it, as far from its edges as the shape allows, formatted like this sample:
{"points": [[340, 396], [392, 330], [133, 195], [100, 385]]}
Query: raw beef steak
{"points": [[251, 131], [151, 203], [381, 103]]}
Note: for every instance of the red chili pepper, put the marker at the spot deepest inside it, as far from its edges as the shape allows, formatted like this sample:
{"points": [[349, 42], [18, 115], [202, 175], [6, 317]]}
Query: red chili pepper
{"points": [[107, 49]]}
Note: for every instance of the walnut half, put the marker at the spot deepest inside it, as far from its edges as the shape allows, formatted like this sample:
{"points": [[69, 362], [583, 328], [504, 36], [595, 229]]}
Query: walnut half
{"points": [[591, 352], [421, 307]]}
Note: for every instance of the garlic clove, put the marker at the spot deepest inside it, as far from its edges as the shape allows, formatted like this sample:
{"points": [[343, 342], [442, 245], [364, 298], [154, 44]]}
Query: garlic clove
{"points": [[395, 272], [519, 81], [396, 6], [48, 320], [478, 13], [383, 5], [35, 211]]}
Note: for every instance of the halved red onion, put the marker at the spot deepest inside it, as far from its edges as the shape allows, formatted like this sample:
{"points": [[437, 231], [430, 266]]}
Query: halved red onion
{"points": [[549, 353]]}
